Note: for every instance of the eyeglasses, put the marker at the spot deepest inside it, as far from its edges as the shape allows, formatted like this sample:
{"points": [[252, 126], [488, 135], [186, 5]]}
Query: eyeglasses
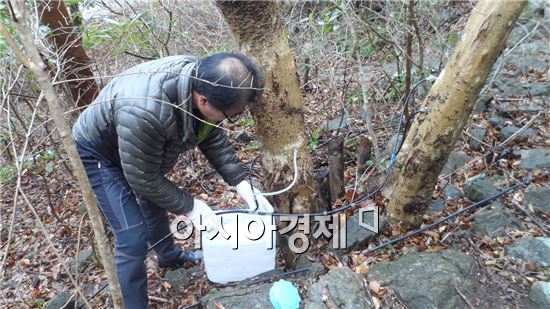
{"points": [[235, 118]]}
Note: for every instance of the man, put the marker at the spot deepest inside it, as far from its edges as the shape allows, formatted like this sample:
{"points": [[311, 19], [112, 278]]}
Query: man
{"points": [[130, 138]]}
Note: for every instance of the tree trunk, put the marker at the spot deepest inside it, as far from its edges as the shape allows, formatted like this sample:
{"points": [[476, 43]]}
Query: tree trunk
{"points": [[408, 55], [451, 100], [72, 58], [336, 168], [279, 117], [30, 57]]}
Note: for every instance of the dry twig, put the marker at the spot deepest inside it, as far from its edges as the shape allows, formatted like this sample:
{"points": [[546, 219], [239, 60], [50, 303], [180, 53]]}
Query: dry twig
{"points": [[464, 298]]}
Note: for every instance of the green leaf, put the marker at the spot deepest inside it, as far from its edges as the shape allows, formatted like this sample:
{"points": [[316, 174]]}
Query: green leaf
{"points": [[453, 39], [252, 147], [7, 173], [50, 155], [71, 2], [246, 122], [313, 139]]}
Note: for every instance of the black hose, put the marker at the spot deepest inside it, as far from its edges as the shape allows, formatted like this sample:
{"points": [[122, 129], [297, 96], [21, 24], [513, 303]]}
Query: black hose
{"points": [[454, 214]]}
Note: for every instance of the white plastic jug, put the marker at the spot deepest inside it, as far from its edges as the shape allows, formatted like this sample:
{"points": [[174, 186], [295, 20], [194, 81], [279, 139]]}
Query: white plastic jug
{"points": [[248, 251]]}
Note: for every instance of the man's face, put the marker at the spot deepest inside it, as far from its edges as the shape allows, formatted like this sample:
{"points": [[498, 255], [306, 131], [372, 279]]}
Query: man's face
{"points": [[214, 114]]}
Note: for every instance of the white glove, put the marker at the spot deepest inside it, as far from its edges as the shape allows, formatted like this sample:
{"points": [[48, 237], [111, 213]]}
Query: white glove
{"points": [[244, 189], [201, 210]]}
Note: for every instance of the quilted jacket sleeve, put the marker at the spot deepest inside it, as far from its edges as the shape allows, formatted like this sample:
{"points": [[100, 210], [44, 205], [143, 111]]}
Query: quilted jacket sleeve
{"points": [[219, 152], [141, 142]]}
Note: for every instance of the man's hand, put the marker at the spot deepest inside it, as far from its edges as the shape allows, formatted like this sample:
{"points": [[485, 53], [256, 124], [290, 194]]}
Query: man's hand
{"points": [[200, 209], [244, 189]]}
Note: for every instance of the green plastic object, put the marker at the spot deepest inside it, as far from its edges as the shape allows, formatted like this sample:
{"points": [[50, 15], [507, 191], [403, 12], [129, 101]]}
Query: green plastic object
{"points": [[283, 295]]}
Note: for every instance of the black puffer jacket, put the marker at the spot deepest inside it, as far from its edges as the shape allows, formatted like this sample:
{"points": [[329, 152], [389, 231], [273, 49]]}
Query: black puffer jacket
{"points": [[140, 121]]}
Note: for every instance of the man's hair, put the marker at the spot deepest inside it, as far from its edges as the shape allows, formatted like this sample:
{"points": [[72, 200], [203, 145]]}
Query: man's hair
{"points": [[228, 79]]}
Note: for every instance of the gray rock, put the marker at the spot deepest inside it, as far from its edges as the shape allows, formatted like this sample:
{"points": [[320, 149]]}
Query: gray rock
{"points": [[534, 158], [533, 63], [83, 258], [532, 249], [337, 122], [315, 268], [505, 109], [479, 187], [435, 206], [451, 193], [539, 89], [430, 280], [256, 296], [390, 68], [265, 276], [527, 50], [538, 198], [494, 220], [512, 90], [456, 159], [62, 298], [59, 300], [508, 131], [534, 48], [482, 103], [527, 56], [539, 295], [8, 284], [496, 121], [518, 32], [478, 134], [84, 255], [530, 108], [501, 83], [357, 236], [343, 289], [180, 278]]}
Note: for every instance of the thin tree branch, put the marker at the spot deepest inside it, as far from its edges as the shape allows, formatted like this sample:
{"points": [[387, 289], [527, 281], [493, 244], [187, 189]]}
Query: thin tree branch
{"points": [[35, 64]]}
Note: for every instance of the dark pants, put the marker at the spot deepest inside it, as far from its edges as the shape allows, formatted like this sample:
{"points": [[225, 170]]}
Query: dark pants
{"points": [[134, 222]]}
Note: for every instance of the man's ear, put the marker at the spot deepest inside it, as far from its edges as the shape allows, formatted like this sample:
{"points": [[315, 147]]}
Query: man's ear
{"points": [[199, 100], [203, 101]]}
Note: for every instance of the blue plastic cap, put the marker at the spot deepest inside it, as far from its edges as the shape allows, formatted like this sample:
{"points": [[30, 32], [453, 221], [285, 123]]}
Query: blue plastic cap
{"points": [[392, 158], [283, 295]]}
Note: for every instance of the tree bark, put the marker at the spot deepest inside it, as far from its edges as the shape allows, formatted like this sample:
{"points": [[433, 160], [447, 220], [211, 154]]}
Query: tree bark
{"points": [[279, 117], [367, 107], [408, 55], [72, 58], [30, 57], [451, 100], [363, 153], [336, 168]]}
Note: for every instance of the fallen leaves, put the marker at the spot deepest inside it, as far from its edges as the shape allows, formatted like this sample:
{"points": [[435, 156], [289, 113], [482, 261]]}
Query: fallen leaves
{"points": [[25, 262]]}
